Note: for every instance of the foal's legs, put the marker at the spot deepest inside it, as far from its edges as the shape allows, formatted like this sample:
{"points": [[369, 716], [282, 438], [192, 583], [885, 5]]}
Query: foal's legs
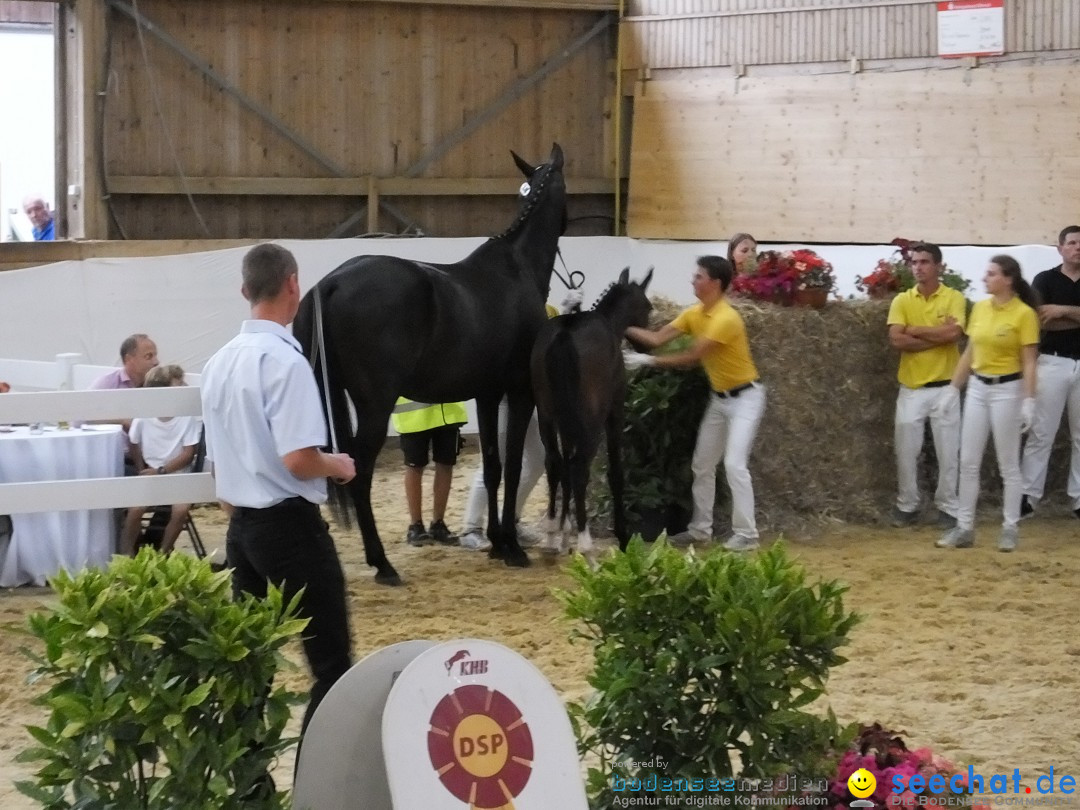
{"points": [[613, 427], [552, 466]]}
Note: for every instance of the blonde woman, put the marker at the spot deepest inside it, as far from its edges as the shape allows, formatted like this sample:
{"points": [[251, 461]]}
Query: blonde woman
{"points": [[999, 370], [742, 253], [161, 445]]}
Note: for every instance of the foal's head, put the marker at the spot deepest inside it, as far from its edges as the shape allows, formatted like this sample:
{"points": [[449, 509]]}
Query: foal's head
{"points": [[625, 303]]}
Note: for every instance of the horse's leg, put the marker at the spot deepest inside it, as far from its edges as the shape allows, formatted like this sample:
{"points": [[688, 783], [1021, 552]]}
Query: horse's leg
{"points": [[580, 464], [614, 429], [487, 418], [519, 412], [369, 439], [552, 463]]}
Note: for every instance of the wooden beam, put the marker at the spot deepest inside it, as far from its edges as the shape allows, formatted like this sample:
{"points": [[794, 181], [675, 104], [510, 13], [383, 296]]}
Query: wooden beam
{"points": [[16, 255], [341, 186], [559, 5], [83, 201]]}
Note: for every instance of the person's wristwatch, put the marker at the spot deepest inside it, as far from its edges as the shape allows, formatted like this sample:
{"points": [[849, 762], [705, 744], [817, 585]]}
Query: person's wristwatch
{"points": [[161, 470]]}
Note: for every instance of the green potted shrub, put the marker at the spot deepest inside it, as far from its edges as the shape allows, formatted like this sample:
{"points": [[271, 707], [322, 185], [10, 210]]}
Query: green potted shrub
{"points": [[704, 668], [160, 690]]}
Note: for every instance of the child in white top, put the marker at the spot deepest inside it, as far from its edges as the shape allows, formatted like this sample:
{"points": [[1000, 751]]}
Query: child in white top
{"points": [[160, 446]]}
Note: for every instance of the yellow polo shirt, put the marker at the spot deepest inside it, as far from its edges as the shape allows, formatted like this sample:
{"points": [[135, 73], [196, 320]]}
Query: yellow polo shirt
{"points": [[909, 308], [998, 334], [728, 364]]}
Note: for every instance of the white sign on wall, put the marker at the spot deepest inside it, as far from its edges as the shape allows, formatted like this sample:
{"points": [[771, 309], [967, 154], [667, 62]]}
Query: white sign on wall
{"points": [[971, 28]]}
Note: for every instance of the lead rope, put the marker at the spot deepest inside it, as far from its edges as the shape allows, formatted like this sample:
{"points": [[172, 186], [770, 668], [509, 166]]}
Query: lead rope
{"points": [[320, 352], [574, 278]]}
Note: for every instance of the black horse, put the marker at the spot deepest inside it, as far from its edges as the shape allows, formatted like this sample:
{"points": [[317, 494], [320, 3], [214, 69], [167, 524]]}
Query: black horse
{"points": [[580, 387], [439, 333]]}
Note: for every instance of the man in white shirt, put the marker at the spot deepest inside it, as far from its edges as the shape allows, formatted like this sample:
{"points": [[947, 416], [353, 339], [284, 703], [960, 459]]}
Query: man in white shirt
{"points": [[264, 427]]}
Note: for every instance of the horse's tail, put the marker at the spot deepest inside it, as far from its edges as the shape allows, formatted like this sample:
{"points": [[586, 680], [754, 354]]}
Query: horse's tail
{"points": [[564, 370], [307, 328]]}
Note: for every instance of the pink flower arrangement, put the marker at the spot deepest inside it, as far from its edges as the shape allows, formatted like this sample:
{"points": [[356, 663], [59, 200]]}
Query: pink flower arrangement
{"points": [[883, 753], [775, 276]]}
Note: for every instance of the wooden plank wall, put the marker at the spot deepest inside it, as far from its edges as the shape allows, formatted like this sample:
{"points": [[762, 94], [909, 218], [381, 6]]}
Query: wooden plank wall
{"points": [[986, 156], [662, 34], [18, 12], [371, 85], [751, 115]]}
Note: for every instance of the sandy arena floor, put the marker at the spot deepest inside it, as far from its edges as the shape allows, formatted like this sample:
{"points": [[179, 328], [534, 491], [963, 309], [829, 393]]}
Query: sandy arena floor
{"points": [[972, 652]]}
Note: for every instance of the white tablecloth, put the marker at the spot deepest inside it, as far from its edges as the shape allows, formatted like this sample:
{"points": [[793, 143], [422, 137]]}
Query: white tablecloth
{"points": [[42, 543]]}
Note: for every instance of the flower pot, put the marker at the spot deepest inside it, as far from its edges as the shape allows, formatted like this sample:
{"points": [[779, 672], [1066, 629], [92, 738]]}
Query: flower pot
{"points": [[813, 297]]}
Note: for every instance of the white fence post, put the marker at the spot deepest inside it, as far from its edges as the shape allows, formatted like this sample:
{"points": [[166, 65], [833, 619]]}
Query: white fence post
{"points": [[65, 366]]}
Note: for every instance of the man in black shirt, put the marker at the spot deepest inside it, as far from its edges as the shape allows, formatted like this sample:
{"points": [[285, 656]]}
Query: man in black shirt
{"points": [[1058, 291]]}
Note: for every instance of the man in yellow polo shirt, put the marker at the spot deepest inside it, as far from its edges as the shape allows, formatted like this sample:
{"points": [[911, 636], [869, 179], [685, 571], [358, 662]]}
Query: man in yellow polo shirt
{"points": [[925, 324], [733, 414]]}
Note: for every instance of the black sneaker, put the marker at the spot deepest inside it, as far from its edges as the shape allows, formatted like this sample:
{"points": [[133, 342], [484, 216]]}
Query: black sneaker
{"points": [[1027, 510], [418, 535], [442, 535]]}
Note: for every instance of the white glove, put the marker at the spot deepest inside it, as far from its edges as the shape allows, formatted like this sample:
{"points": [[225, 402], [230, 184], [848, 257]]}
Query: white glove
{"points": [[946, 402], [635, 360], [572, 302], [1027, 414]]}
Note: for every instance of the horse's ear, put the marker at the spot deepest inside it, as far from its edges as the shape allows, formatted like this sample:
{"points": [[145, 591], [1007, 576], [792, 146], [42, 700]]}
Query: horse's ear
{"points": [[624, 276], [526, 169], [556, 159], [644, 283]]}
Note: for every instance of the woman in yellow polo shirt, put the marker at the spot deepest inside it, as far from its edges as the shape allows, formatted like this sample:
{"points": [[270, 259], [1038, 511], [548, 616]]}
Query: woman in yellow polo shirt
{"points": [[999, 369], [733, 414]]}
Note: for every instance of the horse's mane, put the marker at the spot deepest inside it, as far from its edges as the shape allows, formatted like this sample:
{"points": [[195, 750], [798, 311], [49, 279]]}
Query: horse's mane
{"points": [[535, 194]]}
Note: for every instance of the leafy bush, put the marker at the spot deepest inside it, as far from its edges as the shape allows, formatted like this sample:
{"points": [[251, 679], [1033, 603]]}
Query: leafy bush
{"points": [[160, 691], [705, 664]]}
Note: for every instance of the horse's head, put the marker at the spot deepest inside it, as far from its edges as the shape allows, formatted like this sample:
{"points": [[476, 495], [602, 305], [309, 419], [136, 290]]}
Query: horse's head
{"points": [[625, 303], [542, 195]]}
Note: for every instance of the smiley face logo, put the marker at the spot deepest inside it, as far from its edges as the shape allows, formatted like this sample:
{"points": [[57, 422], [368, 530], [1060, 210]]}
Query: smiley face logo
{"points": [[861, 783]]}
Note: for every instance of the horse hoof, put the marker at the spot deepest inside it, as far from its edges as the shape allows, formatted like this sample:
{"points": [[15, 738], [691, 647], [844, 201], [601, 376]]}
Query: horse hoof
{"points": [[390, 578], [519, 560], [496, 553]]}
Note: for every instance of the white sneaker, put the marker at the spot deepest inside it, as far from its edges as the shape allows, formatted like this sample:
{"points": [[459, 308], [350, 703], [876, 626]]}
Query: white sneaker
{"points": [[683, 539], [1010, 536], [474, 540], [738, 542], [528, 536], [957, 538]]}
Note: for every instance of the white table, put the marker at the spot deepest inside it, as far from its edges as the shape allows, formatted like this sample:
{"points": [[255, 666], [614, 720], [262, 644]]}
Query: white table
{"points": [[43, 543]]}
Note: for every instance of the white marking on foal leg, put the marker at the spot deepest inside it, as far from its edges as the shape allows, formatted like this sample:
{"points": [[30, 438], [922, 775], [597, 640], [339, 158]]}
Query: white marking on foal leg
{"points": [[585, 547]]}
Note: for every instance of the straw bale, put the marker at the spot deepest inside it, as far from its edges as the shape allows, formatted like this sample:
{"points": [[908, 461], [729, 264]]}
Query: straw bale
{"points": [[825, 446]]}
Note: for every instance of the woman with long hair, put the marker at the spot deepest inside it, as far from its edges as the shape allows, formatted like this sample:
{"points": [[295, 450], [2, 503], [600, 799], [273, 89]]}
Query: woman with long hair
{"points": [[742, 253], [999, 369]]}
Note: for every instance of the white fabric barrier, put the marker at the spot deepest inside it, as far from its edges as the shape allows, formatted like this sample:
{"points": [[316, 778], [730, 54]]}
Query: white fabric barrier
{"points": [[191, 304]]}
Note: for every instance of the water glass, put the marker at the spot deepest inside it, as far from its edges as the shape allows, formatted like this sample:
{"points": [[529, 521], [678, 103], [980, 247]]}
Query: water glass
{"points": [[36, 428]]}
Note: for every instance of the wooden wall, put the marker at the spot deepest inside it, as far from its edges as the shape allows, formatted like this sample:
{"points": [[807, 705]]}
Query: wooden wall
{"points": [[18, 12], [661, 34], [372, 86], [841, 124]]}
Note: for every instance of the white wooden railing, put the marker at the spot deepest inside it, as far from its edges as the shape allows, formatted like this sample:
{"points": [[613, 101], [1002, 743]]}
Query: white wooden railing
{"points": [[56, 399]]}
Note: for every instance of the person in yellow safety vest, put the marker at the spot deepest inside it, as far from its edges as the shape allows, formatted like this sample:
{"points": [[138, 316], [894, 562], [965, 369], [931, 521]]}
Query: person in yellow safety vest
{"points": [[437, 428]]}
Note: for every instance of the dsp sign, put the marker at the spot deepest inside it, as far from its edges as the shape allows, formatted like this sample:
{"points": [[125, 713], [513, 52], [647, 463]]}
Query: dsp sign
{"points": [[480, 746]]}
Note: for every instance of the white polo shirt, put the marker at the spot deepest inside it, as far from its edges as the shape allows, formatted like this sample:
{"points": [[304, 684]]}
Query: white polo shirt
{"points": [[260, 402]]}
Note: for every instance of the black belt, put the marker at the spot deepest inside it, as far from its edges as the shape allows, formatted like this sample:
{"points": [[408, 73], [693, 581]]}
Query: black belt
{"points": [[731, 393], [1004, 378], [937, 384], [295, 502], [1062, 354]]}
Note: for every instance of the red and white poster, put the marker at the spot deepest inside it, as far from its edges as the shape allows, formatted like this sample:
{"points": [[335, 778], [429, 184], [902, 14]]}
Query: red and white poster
{"points": [[971, 28]]}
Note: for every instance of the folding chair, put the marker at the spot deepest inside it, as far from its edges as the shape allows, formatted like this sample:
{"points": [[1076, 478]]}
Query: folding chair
{"points": [[154, 525]]}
